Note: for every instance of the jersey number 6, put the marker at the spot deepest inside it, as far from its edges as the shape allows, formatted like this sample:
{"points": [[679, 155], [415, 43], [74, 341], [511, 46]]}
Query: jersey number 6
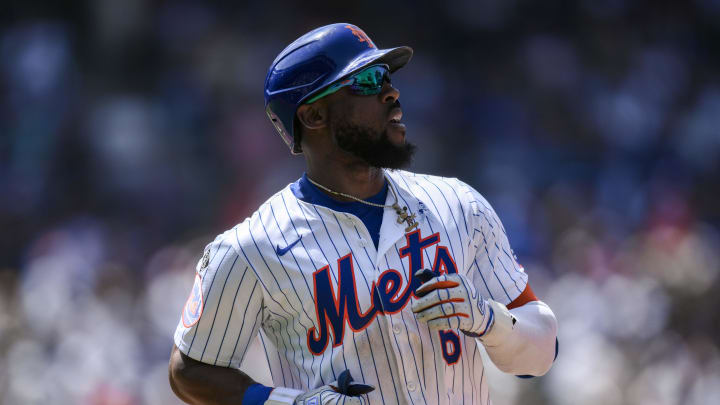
{"points": [[451, 349]]}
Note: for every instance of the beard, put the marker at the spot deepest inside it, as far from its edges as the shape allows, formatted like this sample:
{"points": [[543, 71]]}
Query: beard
{"points": [[372, 146]]}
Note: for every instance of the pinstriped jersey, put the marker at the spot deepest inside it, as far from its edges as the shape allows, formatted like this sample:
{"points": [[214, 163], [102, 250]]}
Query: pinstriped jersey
{"points": [[322, 298]]}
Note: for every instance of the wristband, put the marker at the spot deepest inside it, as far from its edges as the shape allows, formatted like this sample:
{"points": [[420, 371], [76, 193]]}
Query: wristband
{"points": [[256, 394]]}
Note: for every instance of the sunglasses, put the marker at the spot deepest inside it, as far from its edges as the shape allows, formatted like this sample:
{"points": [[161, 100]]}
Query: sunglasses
{"points": [[367, 82]]}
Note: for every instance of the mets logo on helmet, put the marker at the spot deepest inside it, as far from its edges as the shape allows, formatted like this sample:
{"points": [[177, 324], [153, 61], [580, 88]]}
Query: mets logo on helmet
{"points": [[361, 35], [194, 304]]}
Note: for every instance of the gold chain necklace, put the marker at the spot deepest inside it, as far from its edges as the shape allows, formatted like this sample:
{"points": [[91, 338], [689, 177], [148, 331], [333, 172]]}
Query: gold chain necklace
{"points": [[401, 212]]}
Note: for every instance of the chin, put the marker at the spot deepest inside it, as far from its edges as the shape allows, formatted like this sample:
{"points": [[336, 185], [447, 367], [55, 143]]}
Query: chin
{"points": [[396, 135]]}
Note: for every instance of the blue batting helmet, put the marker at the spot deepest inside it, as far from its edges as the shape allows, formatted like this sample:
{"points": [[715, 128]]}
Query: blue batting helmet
{"points": [[313, 62]]}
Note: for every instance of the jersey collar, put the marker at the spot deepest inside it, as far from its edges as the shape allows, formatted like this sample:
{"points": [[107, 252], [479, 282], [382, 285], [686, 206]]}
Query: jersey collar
{"points": [[390, 230]]}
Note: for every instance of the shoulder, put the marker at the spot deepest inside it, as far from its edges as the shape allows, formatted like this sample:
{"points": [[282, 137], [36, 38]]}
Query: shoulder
{"points": [[219, 253], [276, 214], [411, 182], [433, 187]]}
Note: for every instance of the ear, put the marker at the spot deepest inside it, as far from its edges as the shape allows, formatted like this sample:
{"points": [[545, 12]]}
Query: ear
{"points": [[312, 116]]}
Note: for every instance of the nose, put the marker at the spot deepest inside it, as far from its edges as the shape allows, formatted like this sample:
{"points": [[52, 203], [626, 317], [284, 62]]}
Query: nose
{"points": [[389, 93]]}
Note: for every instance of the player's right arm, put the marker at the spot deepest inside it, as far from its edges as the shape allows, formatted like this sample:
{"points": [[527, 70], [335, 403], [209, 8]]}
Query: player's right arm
{"points": [[199, 383], [221, 317]]}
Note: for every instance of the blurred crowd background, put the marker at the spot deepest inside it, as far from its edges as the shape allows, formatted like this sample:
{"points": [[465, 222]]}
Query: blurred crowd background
{"points": [[132, 132]]}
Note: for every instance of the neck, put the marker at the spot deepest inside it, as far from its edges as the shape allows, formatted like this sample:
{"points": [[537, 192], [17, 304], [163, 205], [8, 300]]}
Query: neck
{"points": [[356, 179]]}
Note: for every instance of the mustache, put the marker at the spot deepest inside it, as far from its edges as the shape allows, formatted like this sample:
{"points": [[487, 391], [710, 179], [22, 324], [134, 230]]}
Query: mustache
{"points": [[395, 105]]}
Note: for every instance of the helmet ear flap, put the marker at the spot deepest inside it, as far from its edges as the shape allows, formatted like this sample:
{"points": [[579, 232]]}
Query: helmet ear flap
{"points": [[281, 129], [297, 137]]}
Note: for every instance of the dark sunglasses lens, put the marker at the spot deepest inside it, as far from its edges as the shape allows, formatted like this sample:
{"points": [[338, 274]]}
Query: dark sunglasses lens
{"points": [[370, 81]]}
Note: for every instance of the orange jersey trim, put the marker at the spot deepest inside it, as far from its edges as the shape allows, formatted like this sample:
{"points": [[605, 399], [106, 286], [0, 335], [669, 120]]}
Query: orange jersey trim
{"points": [[527, 296]]}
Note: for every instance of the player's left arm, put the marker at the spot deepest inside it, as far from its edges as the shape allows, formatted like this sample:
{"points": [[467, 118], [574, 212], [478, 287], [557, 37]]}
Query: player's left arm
{"points": [[492, 300], [523, 339]]}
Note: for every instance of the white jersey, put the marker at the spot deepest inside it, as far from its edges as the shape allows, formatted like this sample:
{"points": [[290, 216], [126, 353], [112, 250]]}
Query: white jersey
{"points": [[310, 282]]}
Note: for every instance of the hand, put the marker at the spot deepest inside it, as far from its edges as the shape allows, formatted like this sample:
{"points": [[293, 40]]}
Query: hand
{"points": [[450, 301], [342, 391]]}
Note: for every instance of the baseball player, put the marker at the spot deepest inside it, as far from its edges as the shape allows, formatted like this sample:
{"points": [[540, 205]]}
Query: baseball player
{"points": [[366, 284]]}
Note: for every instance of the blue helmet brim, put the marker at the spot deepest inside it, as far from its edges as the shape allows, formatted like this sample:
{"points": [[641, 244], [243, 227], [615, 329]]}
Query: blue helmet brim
{"points": [[395, 58]]}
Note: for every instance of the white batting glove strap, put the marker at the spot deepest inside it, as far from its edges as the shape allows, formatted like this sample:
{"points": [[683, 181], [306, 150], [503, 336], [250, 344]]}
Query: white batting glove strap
{"points": [[503, 325], [282, 396], [326, 395], [453, 303]]}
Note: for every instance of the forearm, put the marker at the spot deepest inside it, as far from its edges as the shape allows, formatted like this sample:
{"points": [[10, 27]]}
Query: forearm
{"points": [[199, 383], [528, 348]]}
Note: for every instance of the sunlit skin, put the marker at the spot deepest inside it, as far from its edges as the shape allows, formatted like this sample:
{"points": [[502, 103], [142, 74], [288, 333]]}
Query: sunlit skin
{"points": [[330, 165]]}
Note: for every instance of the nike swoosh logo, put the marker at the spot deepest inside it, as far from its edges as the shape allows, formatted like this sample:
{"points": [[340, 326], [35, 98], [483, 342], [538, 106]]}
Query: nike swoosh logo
{"points": [[282, 251]]}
